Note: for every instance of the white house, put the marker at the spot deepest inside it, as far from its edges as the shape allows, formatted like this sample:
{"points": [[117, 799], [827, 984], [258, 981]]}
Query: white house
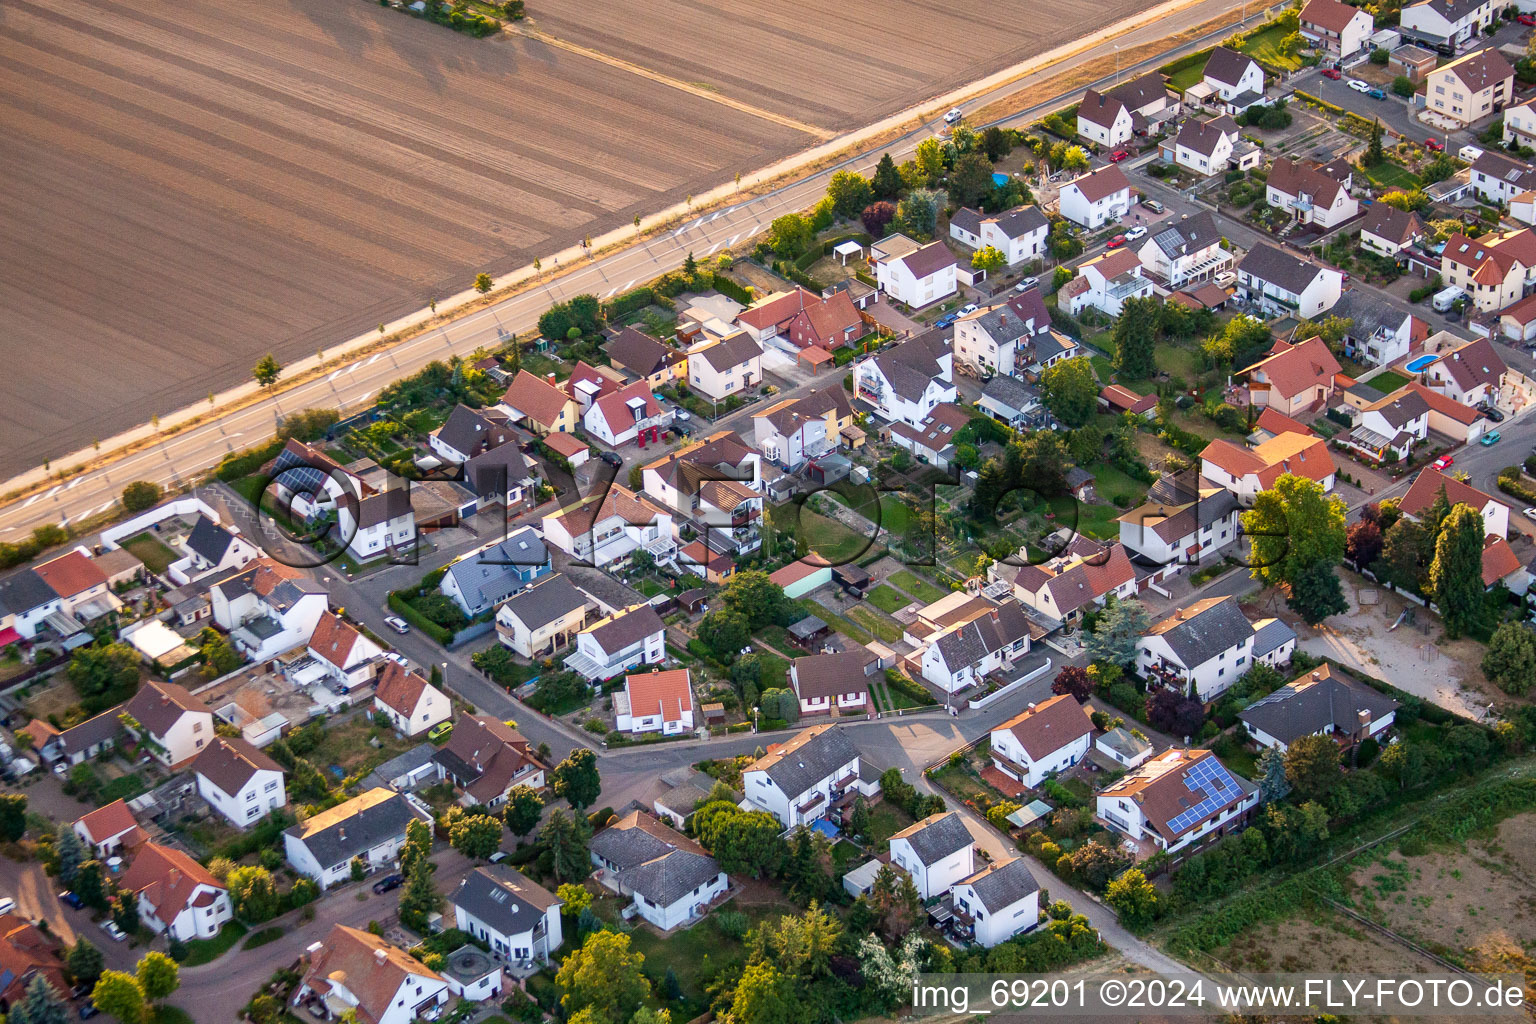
{"points": [[1158, 801], [1138, 105], [411, 704], [906, 382], [1470, 374], [672, 879], [1247, 472], [1339, 28], [211, 547], [1096, 198], [176, 895], [605, 529], [1181, 523], [1234, 78], [1499, 179], [1019, 234], [542, 619], [1213, 146], [1211, 644], [26, 602], [348, 657], [1286, 283], [629, 414], [107, 829], [1106, 282], [1520, 123], [998, 902], [804, 778], [655, 701], [1309, 195], [268, 608], [1185, 252], [1104, 120], [1495, 270], [170, 724], [619, 642], [936, 852], [1325, 702], [469, 432], [517, 918], [967, 652], [1430, 482], [370, 827], [1392, 424], [998, 338], [918, 275], [1453, 22], [824, 682], [1049, 737], [1067, 586], [1387, 231], [1471, 88], [790, 432], [359, 972], [731, 366], [481, 580], [239, 781]]}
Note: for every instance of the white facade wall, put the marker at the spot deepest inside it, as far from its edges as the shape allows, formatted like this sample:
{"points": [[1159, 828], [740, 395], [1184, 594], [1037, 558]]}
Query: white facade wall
{"points": [[992, 928], [1211, 678], [1036, 772], [1076, 207], [263, 793], [933, 879]]}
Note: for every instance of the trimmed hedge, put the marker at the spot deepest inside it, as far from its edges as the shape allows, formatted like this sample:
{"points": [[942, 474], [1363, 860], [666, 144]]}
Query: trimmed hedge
{"points": [[731, 290], [629, 302], [1511, 482], [401, 607]]}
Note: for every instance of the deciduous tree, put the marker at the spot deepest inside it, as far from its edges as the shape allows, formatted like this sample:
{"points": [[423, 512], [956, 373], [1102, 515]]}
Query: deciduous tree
{"points": [[1074, 680], [790, 235], [850, 192], [1133, 898], [119, 995], [266, 371], [476, 836], [1363, 543], [988, 258], [1312, 765], [158, 975], [877, 217], [1510, 662], [1070, 391], [483, 283], [141, 495], [1291, 527], [576, 779], [971, 179], [524, 808], [1316, 593], [603, 976], [252, 893], [725, 632]]}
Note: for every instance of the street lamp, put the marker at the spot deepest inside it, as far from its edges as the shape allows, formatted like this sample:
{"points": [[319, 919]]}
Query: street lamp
{"points": [[754, 720]]}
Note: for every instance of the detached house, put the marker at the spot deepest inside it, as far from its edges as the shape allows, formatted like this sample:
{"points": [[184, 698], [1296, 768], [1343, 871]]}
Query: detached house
{"points": [[1135, 107], [918, 275], [1210, 644], [169, 723], [1390, 426], [486, 759], [483, 579], [411, 704], [1049, 737], [1106, 282], [936, 852], [1309, 195], [622, 641], [1293, 379], [211, 547], [655, 701], [1072, 583], [1326, 702], [357, 971], [1096, 198], [731, 366], [795, 320], [346, 656], [1181, 523], [1019, 234], [1499, 179], [1387, 231], [605, 528], [239, 781], [1000, 338], [1104, 120], [516, 918], [672, 878], [108, 829], [715, 484], [1449, 22], [369, 827], [1214, 146], [1184, 252], [1431, 483], [468, 432], [998, 902], [540, 404], [1235, 79], [1470, 89], [828, 682], [965, 653], [1520, 123], [176, 894], [1336, 27], [934, 441], [267, 609], [1248, 471], [807, 777], [542, 619], [630, 413], [1470, 374], [1177, 800], [1494, 270], [796, 430], [1380, 331], [643, 357], [906, 382]]}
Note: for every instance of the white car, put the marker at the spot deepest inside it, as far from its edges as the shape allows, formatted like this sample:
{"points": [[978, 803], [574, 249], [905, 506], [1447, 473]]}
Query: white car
{"points": [[681, 414], [1359, 86], [954, 115], [110, 927], [1225, 279], [397, 624], [1026, 284], [967, 309], [1139, 231], [1530, 513], [7, 905]]}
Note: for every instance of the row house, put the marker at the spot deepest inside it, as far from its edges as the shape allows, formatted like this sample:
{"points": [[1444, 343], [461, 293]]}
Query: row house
{"points": [[795, 320], [906, 382], [936, 853], [540, 404], [605, 529], [1133, 108], [1019, 234], [1209, 645]]}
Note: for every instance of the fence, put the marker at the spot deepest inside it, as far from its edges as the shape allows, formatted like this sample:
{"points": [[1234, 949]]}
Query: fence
{"points": [[999, 694], [139, 523]]}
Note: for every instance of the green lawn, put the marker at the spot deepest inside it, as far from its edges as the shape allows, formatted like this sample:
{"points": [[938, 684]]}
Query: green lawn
{"points": [[1186, 77], [839, 623], [1239, 759], [820, 535], [1387, 382], [1102, 367], [1390, 174], [148, 549], [1101, 522], [885, 820], [775, 669], [886, 629], [919, 588], [887, 600], [1112, 485], [648, 587], [894, 514], [163, 1014], [1264, 46], [202, 951], [263, 937], [1178, 360]]}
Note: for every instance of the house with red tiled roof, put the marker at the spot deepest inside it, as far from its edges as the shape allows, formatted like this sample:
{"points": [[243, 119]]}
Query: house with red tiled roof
{"points": [[800, 577], [934, 441], [540, 404], [1429, 484], [797, 319], [1109, 280], [108, 829], [655, 701], [1335, 26], [605, 529], [356, 971], [1293, 379], [1470, 373], [1068, 586], [1047, 738], [1117, 398], [348, 658], [27, 953], [1247, 471], [1494, 270], [80, 584], [1096, 198], [1449, 417], [1502, 565], [1272, 422], [411, 704], [176, 894], [628, 414]]}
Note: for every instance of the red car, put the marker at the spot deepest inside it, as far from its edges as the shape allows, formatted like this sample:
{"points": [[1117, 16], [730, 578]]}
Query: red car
{"points": [[1116, 242], [1444, 462], [1333, 73], [1434, 145], [1526, 19], [1118, 155]]}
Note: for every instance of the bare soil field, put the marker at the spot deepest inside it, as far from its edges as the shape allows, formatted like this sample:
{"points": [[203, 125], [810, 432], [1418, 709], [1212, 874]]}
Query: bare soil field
{"points": [[184, 187], [1321, 941], [836, 66]]}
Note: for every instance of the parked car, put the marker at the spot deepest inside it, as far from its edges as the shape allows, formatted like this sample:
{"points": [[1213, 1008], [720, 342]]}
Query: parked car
{"points": [[388, 883], [1529, 513], [1333, 73], [1139, 231], [1225, 279], [1444, 462], [1026, 284], [1359, 86], [440, 732], [1116, 242], [88, 1010], [612, 458], [71, 899], [80, 991], [967, 309], [1490, 412], [954, 115], [1119, 154], [1489, 439], [1444, 49], [1377, 94], [397, 624], [7, 905], [61, 767], [1526, 19], [947, 320], [681, 414], [1434, 145], [1153, 205], [110, 927]]}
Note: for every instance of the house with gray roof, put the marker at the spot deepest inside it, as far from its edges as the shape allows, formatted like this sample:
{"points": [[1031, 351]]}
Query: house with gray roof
{"points": [[516, 918], [1380, 331], [1185, 252], [1283, 282], [1009, 400], [991, 339], [468, 432], [1210, 644], [968, 652], [937, 852], [542, 618], [483, 579], [813, 775], [370, 827], [906, 382], [672, 879], [1019, 234], [406, 772], [211, 547], [996, 903], [1324, 702]]}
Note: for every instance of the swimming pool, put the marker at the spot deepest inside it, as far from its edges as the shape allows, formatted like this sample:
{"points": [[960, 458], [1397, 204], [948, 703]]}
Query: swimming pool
{"points": [[1419, 364]]}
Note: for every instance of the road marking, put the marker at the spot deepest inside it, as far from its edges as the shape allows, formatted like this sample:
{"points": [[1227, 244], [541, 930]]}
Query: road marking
{"points": [[712, 218], [609, 292], [712, 249], [104, 507], [375, 359], [629, 286], [30, 500], [52, 492], [732, 239], [334, 375]]}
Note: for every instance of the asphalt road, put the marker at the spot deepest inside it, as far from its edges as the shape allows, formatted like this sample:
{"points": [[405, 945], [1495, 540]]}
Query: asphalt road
{"points": [[178, 460]]}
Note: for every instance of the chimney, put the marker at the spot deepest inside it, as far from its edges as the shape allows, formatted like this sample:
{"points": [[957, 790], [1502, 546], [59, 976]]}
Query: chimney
{"points": [[381, 955], [1316, 676], [312, 950], [549, 377]]}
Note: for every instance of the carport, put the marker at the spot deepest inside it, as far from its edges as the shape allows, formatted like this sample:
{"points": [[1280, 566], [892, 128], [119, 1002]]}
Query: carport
{"points": [[816, 357]]}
